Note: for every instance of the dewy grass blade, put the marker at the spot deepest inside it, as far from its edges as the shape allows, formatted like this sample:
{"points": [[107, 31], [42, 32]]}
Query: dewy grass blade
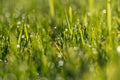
{"points": [[42, 41], [68, 23]]}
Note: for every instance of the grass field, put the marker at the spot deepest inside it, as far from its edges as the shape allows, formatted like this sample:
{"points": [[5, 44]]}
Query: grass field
{"points": [[59, 39]]}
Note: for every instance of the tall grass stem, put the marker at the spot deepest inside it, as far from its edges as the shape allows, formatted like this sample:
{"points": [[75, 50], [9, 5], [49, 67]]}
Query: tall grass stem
{"points": [[51, 5], [109, 15]]}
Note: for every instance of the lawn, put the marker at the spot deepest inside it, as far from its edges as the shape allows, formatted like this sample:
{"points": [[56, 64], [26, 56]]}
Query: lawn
{"points": [[59, 39]]}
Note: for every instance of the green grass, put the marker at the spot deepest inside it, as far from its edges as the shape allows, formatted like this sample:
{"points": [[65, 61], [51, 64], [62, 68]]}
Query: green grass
{"points": [[59, 40]]}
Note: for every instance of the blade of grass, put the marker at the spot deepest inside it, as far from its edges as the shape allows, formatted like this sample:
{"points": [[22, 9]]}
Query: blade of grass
{"points": [[91, 5], [26, 31], [68, 23], [109, 16], [70, 14], [51, 5], [20, 35]]}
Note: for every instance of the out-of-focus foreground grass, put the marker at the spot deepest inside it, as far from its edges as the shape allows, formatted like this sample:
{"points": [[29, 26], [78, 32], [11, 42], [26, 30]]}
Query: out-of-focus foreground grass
{"points": [[59, 40]]}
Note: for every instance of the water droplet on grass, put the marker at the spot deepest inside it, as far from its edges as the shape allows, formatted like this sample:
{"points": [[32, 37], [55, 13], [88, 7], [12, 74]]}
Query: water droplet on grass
{"points": [[104, 11], [60, 63], [0, 60], [118, 49], [19, 22], [5, 61], [59, 55], [28, 25], [66, 29], [18, 46], [55, 27], [89, 14], [23, 16], [23, 36], [89, 46], [31, 35], [94, 50]]}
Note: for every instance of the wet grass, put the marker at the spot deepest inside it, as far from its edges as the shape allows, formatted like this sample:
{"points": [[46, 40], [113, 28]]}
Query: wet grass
{"points": [[59, 39]]}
